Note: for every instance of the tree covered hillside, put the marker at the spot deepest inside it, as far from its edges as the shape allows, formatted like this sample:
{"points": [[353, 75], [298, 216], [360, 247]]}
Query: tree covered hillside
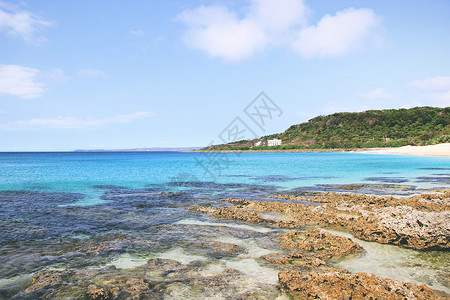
{"points": [[373, 128]]}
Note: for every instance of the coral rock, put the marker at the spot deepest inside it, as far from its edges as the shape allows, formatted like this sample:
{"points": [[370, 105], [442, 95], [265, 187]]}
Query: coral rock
{"points": [[335, 285], [320, 243]]}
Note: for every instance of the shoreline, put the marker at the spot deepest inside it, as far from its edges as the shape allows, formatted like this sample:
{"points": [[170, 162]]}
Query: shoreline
{"points": [[440, 150]]}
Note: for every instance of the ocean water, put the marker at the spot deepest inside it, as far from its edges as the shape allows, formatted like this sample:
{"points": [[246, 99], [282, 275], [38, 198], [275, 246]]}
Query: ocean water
{"points": [[86, 212]]}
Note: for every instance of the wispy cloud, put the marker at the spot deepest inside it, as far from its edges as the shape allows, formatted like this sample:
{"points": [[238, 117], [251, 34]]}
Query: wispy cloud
{"points": [[56, 76], [435, 90], [91, 73], [439, 83], [138, 32], [15, 21], [72, 122], [378, 94], [223, 33], [337, 35], [20, 81]]}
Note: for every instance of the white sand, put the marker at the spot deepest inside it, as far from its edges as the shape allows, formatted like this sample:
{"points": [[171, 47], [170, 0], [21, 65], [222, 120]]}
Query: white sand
{"points": [[433, 150]]}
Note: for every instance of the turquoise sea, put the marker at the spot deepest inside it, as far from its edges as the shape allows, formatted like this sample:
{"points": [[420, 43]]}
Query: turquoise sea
{"points": [[85, 212]]}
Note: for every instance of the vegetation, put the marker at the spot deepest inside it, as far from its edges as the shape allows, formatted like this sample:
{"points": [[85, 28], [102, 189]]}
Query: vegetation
{"points": [[369, 129]]}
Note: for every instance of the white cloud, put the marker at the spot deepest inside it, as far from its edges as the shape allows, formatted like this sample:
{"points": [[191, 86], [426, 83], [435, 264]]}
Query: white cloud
{"points": [[336, 35], [91, 73], [21, 23], [56, 75], [439, 83], [378, 94], [137, 32], [435, 90], [20, 81], [72, 122], [223, 33], [220, 33], [278, 15]]}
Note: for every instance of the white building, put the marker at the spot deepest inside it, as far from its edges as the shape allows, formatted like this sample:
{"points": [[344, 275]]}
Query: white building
{"points": [[258, 143], [274, 142]]}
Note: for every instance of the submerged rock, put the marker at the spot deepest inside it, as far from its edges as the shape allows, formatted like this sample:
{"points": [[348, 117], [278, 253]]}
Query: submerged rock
{"points": [[157, 279], [337, 285], [221, 248], [98, 293], [295, 259], [46, 280], [436, 202]]}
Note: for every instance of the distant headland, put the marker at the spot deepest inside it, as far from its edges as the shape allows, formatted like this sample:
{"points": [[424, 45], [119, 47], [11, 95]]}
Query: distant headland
{"points": [[154, 149], [419, 126]]}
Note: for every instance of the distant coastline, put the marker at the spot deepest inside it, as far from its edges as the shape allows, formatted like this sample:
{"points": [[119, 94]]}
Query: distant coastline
{"points": [[153, 149]]}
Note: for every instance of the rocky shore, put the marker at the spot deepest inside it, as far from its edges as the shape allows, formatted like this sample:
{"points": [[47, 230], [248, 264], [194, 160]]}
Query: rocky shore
{"points": [[305, 260], [157, 279], [341, 285], [420, 222]]}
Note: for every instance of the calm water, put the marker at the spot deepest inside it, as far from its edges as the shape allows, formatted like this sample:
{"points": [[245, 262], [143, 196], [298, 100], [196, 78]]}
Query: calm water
{"points": [[57, 207]]}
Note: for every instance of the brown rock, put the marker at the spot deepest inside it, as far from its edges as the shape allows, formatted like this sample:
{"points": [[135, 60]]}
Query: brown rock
{"points": [[98, 293], [44, 280], [239, 202], [226, 248], [294, 259], [418, 222], [336, 285], [319, 243], [407, 227]]}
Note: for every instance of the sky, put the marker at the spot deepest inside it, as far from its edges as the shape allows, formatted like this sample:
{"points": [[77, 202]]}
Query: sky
{"points": [[144, 73]]}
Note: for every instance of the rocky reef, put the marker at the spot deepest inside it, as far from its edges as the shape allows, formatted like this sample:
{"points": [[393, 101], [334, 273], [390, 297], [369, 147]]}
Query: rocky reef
{"points": [[339, 285], [323, 244], [312, 249], [157, 279], [305, 263], [418, 222], [405, 226]]}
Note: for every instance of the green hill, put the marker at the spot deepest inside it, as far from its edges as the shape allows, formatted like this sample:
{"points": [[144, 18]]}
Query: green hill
{"points": [[368, 129]]}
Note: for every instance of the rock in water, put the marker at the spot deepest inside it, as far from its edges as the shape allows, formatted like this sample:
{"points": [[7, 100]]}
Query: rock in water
{"points": [[405, 226], [319, 243], [336, 285]]}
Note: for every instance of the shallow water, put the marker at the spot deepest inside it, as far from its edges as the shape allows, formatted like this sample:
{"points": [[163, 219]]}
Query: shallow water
{"points": [[86, 212], [388, 261]]}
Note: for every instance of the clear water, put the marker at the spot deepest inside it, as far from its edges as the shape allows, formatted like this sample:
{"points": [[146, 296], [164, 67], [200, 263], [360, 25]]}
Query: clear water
{"points": [[78, 172], [56, 207]]}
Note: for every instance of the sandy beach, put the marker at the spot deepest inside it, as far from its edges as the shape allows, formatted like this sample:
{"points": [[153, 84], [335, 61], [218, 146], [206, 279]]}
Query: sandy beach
{"points": [[442, 150], [433, 150]]}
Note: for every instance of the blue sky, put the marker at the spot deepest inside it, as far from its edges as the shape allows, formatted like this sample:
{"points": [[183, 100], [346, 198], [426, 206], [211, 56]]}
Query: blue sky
{"points": [[129, 74]]}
